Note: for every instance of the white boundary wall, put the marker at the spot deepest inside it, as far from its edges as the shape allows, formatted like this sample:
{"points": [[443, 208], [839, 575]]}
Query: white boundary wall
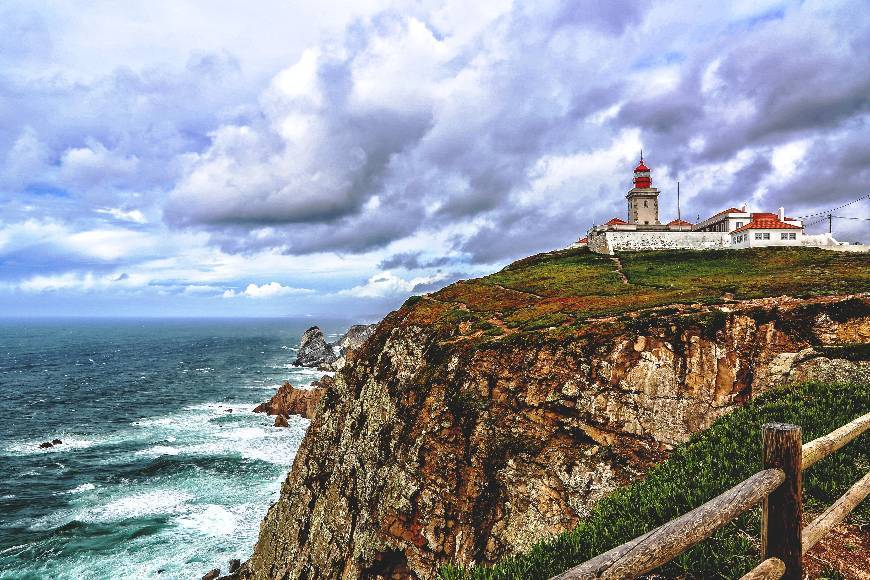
{"points": [[609, 242], [827, 242]]}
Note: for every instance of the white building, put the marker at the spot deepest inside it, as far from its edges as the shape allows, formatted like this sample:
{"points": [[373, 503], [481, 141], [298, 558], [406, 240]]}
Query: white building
{"points": [[732, 218], [732, 228], [767, 229]]}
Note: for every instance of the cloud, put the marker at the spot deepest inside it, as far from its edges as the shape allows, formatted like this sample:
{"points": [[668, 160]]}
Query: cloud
{"points": [[79, 282], [133, 215], [108, 244], [270, 290], [93, 165], [413, 261], [405, 127], [387, 284]]}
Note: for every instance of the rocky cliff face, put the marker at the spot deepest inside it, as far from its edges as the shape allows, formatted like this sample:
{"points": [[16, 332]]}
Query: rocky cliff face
{"points": [[437, 444], [355, 336], [352, 339]]}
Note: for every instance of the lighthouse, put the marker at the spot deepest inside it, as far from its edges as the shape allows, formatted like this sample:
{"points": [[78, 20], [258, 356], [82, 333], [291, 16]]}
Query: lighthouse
{"points": [[643, 198]]}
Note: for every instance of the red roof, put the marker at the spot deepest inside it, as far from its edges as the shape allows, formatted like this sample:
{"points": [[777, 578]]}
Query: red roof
{"points": [[766, 221], [616, 222], [679, 223], [583, 241], [641, 167]]}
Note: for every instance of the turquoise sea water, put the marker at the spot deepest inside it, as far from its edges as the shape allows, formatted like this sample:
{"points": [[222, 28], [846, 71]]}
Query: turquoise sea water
{"points": [[155, 477]]}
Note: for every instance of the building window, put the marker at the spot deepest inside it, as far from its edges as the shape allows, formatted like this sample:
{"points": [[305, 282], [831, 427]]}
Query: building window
{"points": [[766, 236], [758, 235], [739, 224], [645, 204], [792, 236], [783, 236]]}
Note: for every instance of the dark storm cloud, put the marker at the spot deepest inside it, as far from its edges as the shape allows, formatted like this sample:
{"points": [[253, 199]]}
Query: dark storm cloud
{"points": [[835, 169], [738, 187], [413, 261], [352, 235], [521, 232]]}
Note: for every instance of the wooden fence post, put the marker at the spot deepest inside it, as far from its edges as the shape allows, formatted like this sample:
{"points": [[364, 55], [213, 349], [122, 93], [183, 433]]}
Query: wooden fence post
{"points": [[782, 509]]}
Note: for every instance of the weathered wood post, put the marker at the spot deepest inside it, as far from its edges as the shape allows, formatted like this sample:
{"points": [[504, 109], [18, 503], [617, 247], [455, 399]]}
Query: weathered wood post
{"points": [[782, 509]]}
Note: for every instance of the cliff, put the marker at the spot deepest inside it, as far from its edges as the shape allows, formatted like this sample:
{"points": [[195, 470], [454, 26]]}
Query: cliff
{"points": [[493, 413]]}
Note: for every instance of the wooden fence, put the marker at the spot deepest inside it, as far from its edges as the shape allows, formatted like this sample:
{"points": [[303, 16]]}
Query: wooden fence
{"points": [[778, 487]]}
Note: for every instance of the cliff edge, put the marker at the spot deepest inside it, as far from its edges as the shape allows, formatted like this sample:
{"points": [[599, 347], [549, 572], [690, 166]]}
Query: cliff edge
{"points": [[482, 418]]}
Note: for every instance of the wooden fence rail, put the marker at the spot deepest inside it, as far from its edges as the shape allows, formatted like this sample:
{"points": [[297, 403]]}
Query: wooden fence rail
{"points": [[778, 487]]}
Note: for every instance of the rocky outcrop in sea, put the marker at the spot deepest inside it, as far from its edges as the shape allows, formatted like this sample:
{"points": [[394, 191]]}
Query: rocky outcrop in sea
{"points": [[314, 351], [290, 400]]}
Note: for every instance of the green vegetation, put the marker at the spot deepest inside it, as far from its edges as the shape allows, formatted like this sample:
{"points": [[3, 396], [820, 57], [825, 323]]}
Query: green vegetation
{"points": [[710, 463], [749, 273], [563, 289]]}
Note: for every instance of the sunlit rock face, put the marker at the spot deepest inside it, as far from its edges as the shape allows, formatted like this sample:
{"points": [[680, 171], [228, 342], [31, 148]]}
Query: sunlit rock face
{"points": [[433, 446], [289, 400]]}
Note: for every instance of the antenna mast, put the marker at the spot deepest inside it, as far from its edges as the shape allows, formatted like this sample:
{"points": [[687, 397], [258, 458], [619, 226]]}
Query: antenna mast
{"points": [[678, 201]]}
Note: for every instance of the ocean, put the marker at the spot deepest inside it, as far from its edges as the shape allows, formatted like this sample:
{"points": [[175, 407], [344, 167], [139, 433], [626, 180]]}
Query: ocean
{"points": [[156, 477]]}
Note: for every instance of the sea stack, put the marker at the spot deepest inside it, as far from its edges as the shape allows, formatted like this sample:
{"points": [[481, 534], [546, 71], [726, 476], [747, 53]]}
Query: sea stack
{"points": [[314, 350]]}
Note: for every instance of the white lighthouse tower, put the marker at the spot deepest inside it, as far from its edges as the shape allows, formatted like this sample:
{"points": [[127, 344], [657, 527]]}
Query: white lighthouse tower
{"points": [[643, 198]]}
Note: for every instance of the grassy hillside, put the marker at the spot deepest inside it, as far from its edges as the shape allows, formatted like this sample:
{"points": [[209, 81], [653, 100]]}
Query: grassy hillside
{"points": [[563, 289], [710, 463]]}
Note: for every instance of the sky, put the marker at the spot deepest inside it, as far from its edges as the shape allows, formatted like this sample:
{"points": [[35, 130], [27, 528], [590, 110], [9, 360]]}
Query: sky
{"points": [[331, 158]]}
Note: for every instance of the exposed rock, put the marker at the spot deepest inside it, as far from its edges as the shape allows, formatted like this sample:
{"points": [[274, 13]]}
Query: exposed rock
{"points": [[56, 441], [355, 336], [46, 445], [281, 421], [290, 400], [212, 574], [235, 564], [432, 447], [314, 350]]}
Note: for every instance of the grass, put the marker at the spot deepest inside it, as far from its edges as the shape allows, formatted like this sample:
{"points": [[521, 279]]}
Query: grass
{"points": [[713, 461], [749, 273], [566, 288]]}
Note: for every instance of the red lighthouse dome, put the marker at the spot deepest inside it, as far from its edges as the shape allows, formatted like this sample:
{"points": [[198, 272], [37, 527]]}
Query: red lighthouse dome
{"points": [[642, 178]]}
